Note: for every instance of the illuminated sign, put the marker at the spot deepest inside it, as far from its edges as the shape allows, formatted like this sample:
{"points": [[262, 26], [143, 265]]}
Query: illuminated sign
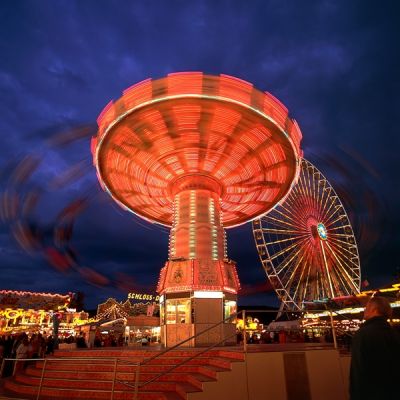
{"points": [[142, 296]]}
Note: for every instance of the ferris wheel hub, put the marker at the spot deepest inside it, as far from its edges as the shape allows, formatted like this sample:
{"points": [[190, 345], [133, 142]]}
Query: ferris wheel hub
{"points": [[322, 232]]}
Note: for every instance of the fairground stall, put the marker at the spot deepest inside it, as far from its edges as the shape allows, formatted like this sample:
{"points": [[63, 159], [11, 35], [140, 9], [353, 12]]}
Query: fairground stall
{"points": [[32, 312], [136, 318], [346, 313]]}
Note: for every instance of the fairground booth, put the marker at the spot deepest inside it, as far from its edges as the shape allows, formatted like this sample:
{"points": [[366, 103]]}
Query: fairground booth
{"points": [[346, 313], [33, 312], [135, 318]]}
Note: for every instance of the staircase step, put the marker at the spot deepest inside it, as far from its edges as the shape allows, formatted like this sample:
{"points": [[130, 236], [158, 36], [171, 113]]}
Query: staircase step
{"points": [[104, 353], [167, 383], [89, 365], [88, 374], [145, 374], [30, 392], [60, 379], [145, 353], [231, 354]]}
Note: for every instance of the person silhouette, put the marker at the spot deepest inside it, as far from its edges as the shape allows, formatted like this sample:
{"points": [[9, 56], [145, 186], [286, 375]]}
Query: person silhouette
{"points": [[375, 354]]}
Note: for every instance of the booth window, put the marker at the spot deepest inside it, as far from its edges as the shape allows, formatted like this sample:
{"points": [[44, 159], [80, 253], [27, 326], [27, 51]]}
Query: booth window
{"points": [[229, 309], [178, 311]]}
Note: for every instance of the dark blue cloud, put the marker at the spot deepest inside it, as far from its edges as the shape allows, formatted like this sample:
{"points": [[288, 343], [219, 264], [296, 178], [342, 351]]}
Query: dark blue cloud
{"points": [[334, 64]]}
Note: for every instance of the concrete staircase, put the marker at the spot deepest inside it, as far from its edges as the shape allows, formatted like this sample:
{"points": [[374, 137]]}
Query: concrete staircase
{"points": [[68, 377]]}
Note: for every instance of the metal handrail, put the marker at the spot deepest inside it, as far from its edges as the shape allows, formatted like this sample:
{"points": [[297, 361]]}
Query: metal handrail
{"points": [[187, 360], [147, 360], [232, 316], [138, 385], [41, 380], [54, 359]]}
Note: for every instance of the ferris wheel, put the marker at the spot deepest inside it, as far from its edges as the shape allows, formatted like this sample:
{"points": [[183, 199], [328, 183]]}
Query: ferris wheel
{"points": [[306, 244]]}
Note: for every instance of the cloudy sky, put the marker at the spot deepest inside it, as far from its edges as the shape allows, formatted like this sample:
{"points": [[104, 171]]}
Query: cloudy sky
{"points": [[334, 64]]}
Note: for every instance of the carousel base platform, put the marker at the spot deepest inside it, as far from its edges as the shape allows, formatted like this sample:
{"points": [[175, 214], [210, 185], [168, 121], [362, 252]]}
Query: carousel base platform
{"points": [[276, 372], [88, 374]]}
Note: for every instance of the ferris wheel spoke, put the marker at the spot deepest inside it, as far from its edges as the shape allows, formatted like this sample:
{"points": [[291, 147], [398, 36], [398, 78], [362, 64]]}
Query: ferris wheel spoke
{"points": [[338, 235], [332, 204], [297, 211], [295, 193], [289, 217], [347, 266], [285, 250], [339, 252], [340, 241], [300, 281], [286, 273], [339, 280], [344, 246], [279, 221], [285, 240], [328, 275], [312, 182], [326, 192], [345, 258], [293, 221], [311, 189], [306, 286], [341, 227], [336, 220], [301, 186], [294, 208], [344, 287], [294, 214], [305, 181], [329, 216], [316, 191], [339, 255], [288, 259], [282, 232], [314, 194], [339, 260], [323, 291], [307, 187], [291, 278]]}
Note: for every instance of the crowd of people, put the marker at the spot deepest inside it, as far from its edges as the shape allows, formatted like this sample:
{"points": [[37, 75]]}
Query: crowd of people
{"points": [[23, 346]]}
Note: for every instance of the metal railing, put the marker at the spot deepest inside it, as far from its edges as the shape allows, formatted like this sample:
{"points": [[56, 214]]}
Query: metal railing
{"points": [[136, 384], [47, 361]]}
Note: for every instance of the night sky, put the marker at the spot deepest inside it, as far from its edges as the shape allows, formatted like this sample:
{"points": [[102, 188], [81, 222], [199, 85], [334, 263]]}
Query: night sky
{"points": [[334, 64]]}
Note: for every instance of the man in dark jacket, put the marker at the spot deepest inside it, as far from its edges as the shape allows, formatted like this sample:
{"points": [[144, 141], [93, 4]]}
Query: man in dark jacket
{"points": [[375, 354]]}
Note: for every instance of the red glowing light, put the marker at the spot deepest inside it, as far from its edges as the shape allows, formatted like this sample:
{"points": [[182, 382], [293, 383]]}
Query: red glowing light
{"points": [[193, 124]]}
